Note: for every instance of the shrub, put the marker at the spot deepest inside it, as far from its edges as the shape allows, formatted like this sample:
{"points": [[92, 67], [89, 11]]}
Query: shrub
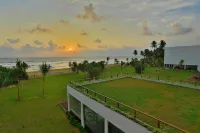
{"points": [[94, 72], [76, 122], [139, 68]]}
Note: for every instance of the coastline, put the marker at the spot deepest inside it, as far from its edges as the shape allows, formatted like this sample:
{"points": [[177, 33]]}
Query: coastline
{"points": [[35, 74], [51, 72]]}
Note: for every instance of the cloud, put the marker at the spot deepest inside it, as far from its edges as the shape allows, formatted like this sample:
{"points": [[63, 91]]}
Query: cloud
{"points": [[7, 51], [38, 42], [84, 33], [89, 14], [103, 46], [52, 45], [112, 51], [165, 20], [178, 29], [38, 29], [62, 47], [81, 46], [145, 29], [63, 22], [13, 41], [97, 41], [186, 18]]}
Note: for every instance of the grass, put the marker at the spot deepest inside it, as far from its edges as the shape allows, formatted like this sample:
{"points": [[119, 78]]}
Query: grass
{"points": [[163, 73], [35, 113], [176, 105]]}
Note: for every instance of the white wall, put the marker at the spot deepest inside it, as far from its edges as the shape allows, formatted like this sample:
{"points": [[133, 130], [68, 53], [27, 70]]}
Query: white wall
{"points": [[120, 121], [190, 55]]}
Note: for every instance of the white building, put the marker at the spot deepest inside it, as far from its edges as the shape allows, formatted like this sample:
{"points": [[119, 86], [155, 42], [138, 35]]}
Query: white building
{"points": [[190, 55]]}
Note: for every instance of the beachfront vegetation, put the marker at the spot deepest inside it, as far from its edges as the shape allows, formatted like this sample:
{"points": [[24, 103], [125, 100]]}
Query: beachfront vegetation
{"points": [[175, 105], [44, 69], [12, 76], [41, 114], [153, 57], [91, 70], [36, 113]]}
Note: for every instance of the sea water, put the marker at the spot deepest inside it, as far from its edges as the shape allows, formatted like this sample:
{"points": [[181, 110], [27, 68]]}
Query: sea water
{"points": [[55, 62]]}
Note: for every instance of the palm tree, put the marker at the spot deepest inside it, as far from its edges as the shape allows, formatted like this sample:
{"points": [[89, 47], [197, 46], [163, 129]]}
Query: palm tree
{"points": [[121, 65], [102, 64], [142, 53], [135, 52], [24, 66], [116, 61], [154, 45], [44, 69], [162, 44], [108, 58], [15, 75], [181, 62], [127, 60]]}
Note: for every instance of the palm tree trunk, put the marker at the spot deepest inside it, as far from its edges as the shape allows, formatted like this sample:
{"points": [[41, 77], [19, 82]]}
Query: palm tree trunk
{"points": [[18, 85], [43, 86]]}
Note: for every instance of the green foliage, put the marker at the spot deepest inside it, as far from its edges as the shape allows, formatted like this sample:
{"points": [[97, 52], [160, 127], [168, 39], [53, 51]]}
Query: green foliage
{"points": [[116, 61], [139, 68], [22, 66], [75, 122], [10, 76], [94, 70], [122, 65], [44, 68], [154, 57], [134, 62], [108, 58], [135, 52]]}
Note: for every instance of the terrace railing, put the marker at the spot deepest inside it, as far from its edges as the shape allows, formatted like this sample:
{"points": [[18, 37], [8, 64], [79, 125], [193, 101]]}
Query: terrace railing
{"points": [[183, 83], [150, 122]]}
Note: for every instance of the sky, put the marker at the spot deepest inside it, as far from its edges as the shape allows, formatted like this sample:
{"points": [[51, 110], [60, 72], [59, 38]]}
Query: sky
{"points": [[40, 28]]}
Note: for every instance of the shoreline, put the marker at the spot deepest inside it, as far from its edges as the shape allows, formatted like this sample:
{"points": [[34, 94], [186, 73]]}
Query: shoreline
{"points": [[34, 74], [51, 72]]}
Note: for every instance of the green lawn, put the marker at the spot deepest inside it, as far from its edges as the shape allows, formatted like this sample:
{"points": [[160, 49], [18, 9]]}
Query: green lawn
{"points": [[36, 113], [176, 105], [175, 75]]}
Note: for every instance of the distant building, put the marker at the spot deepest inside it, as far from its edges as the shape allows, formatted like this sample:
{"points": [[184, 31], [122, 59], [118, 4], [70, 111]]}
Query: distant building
{"points": [[189, 54]]}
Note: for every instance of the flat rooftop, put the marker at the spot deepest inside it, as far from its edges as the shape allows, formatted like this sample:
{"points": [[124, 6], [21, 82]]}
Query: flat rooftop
{"points": [[176, 105]]}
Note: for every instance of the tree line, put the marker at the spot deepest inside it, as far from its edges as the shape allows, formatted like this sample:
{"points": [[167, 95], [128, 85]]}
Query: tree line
{"points": [[13, 76]]}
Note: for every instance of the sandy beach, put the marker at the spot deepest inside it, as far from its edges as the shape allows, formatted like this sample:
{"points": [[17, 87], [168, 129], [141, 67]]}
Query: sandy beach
{"points": [[51, 72], [56, 71]]}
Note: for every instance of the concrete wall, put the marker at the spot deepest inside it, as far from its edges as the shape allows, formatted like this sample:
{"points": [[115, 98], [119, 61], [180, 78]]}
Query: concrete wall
{"points": [[120, 121], [190, 55]]}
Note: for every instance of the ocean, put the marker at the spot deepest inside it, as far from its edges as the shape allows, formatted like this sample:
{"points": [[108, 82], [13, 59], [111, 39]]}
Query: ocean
{"points": [[55, 62]]}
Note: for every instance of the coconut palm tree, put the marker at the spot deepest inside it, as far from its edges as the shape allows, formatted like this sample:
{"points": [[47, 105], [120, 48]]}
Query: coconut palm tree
{"points": [[181, 63], [162, 44], [44, 69], [116, 61], [102, 64], [108, 58], [154, 45], [135, 52], [121, 65], [142, 53]]}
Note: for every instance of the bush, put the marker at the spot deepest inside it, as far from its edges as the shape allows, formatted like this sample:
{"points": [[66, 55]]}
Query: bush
{"points": [[76, 122], [94, 72], [138, 68]]}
